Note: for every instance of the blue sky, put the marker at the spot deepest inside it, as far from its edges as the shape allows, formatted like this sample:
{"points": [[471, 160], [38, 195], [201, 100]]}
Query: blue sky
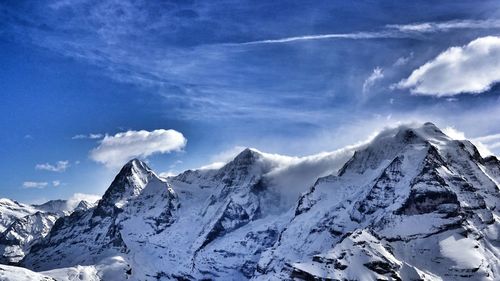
{"points": [[290, 77]]}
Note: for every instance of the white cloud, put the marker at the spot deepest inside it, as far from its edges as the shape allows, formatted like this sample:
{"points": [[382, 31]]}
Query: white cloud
{"points": [[355, 35], [220, 159], [60, 166], [177, 162], [472, 68], [491, 142], [114, 151], [376, 75], [488, 138], [483, 149], [89, 136], [289, 175], [227, 155], [76, 198], [56, 183], [494, 145], [390, 31], [453, 133], [403, 60], [446, 25], [168, 174], [213, 166], [34, 184], [294, 173]]}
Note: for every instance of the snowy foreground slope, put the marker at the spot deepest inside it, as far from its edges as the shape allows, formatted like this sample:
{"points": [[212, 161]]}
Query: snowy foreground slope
{"points": [[412, 204], [23, 225]]}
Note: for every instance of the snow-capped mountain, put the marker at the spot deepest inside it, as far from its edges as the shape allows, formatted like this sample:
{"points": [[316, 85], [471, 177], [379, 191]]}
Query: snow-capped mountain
{"points": [[412, 204], [11, 210], [23, 225], [60, 207]]}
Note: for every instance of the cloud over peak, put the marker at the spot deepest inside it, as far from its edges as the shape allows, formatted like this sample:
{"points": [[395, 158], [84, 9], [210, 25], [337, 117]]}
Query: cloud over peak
{"points": [[114, 151], [472, 68]]}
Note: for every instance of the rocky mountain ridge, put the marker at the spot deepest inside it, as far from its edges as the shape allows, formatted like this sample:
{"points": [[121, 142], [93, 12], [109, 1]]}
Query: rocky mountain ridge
{"points": [[412, 204], [23, 225]]}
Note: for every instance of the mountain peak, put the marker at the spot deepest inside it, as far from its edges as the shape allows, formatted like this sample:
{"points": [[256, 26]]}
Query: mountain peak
{"points": [[245, 158], [135, 165], [426, 131], [248, 154], [54, 206], [392, 141], [129, 182], [411, 134], [411, 189]]}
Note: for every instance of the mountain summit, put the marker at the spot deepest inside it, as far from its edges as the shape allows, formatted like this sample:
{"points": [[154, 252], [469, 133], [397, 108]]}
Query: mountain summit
{"points": [[412, 204], [129, 183], [398, 209]]}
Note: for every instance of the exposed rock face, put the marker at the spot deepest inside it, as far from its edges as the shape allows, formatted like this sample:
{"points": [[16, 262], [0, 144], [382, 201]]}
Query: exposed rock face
{"points": [[12, 210], [58, 207], [136, 199], [412, 193], [17, 239], [412, 204], [28, 224]]}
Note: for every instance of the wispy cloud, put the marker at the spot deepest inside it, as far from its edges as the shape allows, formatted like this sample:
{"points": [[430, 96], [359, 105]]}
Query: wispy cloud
{"points": [[168, 174], [76, 198], [390, 31], [484, 144], [492, 142], [354, 36], [89, 136], [446, 25], [403, 60], [34, 184], [60, 166], [489, 138], [216, 71], [376, 75]]}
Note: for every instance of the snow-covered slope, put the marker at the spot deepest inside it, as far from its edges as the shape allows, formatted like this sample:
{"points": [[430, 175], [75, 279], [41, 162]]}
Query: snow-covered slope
{"points": [[23, 225], [412, 204], [58, 207], [142, 216], [15, 273], [424, 205], [22, 233], [11, 210], [111, 269], [136, 200]]}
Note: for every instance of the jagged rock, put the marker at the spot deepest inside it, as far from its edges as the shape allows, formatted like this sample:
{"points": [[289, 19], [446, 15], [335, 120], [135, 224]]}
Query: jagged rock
{"points": [[412, 204]]}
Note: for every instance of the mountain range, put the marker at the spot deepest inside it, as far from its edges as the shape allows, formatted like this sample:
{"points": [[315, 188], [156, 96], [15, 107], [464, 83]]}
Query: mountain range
{"points": [[410, 204]]}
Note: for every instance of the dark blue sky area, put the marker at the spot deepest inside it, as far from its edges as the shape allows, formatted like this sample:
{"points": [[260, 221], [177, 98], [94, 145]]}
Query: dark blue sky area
{"points": [[291, 77]]}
